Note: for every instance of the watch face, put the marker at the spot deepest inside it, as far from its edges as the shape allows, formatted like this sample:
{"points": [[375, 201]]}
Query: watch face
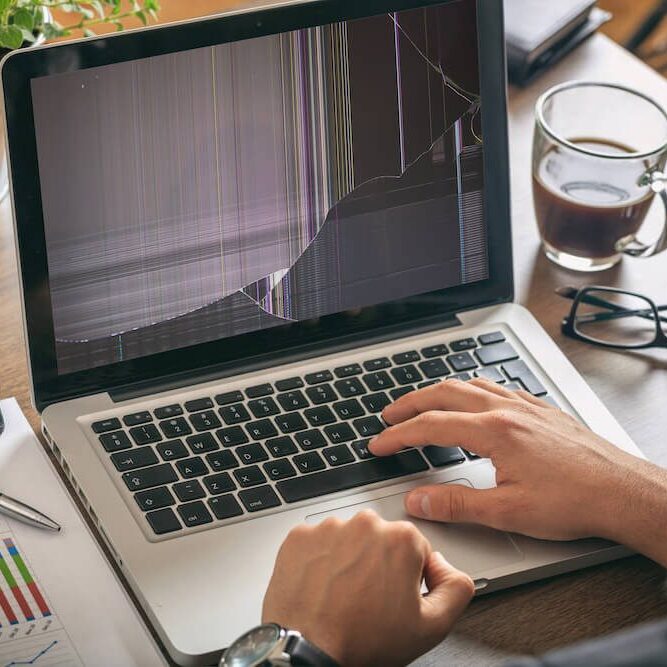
{"points": [[253, 647]]}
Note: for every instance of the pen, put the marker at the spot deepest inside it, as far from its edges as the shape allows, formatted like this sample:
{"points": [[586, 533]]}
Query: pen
{"points": [[15, 509]]}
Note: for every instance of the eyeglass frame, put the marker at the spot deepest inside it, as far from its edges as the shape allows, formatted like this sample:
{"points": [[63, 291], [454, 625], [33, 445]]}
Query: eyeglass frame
{"points": [[568, 326]]}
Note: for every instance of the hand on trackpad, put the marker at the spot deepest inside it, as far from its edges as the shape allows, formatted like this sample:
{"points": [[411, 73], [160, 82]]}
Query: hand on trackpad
{"points": [[473, 549]]}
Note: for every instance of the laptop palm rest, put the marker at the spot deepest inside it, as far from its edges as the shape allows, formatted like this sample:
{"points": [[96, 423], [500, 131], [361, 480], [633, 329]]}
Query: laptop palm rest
{"points": [[473, 549]]}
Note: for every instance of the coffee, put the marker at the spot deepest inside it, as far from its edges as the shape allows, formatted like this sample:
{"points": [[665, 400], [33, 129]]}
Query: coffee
{"points": [[585, 212]]}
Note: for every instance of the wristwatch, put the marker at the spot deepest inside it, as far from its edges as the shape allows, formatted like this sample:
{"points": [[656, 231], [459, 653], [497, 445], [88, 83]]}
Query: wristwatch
{"points": [[271, 645]]}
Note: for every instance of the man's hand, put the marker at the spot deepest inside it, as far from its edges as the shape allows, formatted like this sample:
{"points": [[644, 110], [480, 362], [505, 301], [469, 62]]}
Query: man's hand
{"points": [[353, 589], [555, 478]]}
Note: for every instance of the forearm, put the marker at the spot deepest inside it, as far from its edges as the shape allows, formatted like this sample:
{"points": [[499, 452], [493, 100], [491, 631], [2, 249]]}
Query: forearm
{"points": [[638, 512]]}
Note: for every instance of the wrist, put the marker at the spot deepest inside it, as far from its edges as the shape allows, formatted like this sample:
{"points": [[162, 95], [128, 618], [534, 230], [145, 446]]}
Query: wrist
{"points": [[636, 511]]}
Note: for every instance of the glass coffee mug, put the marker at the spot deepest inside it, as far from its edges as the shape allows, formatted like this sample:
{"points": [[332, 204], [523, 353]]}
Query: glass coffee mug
{"points": [[599, 157]]}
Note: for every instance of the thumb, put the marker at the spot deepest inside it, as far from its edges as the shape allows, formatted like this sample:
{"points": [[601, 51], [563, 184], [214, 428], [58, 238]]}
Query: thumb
{"points": [[453, 503], [449, 593]]}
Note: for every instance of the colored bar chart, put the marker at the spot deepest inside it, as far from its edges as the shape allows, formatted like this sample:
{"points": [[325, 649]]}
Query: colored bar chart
{"points": [[27, 577], [7, 609], [15, 590]]}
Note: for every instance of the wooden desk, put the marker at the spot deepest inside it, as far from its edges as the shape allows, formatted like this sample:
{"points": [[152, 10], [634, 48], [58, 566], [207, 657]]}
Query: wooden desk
{"points": [[536, 617]]}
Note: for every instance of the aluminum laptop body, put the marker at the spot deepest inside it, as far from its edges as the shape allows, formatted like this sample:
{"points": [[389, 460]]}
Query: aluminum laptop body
{"points": [[234, 231]]}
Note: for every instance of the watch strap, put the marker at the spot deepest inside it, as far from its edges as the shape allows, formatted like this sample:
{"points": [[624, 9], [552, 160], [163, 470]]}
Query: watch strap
{"points": [[305, 654]]}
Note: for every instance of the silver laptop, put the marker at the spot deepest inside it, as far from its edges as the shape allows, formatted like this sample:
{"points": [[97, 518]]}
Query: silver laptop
{"points": [[240, 239]]}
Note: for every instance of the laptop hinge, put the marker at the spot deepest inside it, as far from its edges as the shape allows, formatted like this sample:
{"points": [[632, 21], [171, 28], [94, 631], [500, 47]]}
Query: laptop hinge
{"points": [[341, 344]]}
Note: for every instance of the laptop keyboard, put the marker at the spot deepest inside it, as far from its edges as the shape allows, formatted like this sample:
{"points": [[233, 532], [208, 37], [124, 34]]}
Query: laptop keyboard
{"points": [[226, 457]]}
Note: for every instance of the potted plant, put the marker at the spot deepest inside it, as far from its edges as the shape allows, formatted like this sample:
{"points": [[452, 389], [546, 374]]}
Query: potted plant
{"points": [[28, 23]]}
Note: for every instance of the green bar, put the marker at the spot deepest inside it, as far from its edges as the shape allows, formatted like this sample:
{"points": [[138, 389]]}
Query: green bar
{"points": [[27, 577], [6, 573]]}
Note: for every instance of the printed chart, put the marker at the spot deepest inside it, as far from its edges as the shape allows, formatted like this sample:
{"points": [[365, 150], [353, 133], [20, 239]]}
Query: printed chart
{"points": [[30, 631]]}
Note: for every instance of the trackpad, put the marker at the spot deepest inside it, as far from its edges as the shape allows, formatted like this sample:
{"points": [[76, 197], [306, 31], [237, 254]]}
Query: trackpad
{"points": [[473, 549]]}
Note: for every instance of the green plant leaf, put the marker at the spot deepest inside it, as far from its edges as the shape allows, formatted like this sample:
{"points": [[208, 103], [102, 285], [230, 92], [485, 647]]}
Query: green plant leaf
{"points": [[23, 18], [87, 32], [4, 5], [11, 37]]}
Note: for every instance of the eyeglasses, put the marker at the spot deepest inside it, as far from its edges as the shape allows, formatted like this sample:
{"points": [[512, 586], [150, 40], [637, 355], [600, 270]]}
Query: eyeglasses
{"points": [[614, 318]]}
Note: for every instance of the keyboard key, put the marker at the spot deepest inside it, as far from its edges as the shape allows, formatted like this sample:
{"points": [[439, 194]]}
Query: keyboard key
{"points": [[463, 345], [319, 377], [378, 381], [234, 414], [377, 364], [154, 499], [290, 423], [256, 500], [194, 514], [338, 455], [168, 411], [368, 426], [225, 507], [172, 449], [175, 428], [199, 404], [159, 475], [406, 357], [513, 386], [259, 390], [115, 442], [282, 446], [348, 371], [401, 391], [360, 448], [429, 383], [137, 418], [222, 460], [191, 490], [350, 387], [435, 351], [519, 371], [293, 400], [281, 469], [253, 453], [220, 483], [106, 425], [261, 429], [192, 467], [229, 397], [205, 421], [202, 443], [144, 435], [340, 433], [464, 377], [340, 479], [349, 409], [406, 375], [263, 407], [496, 354], [434, 368], [312, 439], [443, 456], [232, 436], [491, 338], [376, 402], [323, 393], [289, 384], [136, 458], [250, 476], [320, 416], [462, 361], [491, 373], [310, 462], [163, 521]]}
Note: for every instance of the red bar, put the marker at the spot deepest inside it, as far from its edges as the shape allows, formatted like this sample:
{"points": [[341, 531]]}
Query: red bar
{"points": [[23, 603], [39, 599], [7, 608]]}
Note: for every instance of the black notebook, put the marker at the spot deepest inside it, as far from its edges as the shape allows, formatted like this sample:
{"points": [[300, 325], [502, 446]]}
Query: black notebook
{"points": [[540, 32]]}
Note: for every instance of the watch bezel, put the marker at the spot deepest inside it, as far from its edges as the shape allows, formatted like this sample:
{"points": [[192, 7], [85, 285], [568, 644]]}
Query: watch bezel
{"points": [[275, 654]]}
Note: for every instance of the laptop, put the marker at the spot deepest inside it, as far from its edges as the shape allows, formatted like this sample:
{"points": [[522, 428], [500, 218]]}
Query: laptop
{"points": [[239, 239]]}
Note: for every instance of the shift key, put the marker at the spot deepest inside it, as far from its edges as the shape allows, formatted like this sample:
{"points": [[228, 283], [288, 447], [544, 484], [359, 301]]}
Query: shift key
{"points": [[149, 477]]}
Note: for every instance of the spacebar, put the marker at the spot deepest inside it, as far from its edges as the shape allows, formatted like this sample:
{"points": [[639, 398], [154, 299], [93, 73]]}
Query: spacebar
{"points": [[349, 477]]}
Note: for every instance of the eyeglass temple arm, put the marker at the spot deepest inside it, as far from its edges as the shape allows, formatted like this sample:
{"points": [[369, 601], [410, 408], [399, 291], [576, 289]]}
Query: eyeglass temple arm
{"points": [[618, 315]]}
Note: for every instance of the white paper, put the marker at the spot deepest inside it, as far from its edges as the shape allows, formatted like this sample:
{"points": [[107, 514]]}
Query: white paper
{"points": [[84, 616]]}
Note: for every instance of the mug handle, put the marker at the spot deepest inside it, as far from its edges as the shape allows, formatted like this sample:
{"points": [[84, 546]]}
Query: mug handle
{"points": [[657, 181]]}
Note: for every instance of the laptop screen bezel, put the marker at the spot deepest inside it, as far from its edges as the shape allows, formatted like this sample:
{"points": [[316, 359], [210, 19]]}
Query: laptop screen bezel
{"points": [[265, 346]]}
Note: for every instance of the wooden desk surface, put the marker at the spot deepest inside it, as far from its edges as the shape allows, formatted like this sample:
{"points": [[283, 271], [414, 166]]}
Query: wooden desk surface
{"points": [[542, 616]]}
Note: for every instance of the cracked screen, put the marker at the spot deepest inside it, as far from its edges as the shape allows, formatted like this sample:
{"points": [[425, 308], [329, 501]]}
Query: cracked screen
{"points": [[209, 193]]}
